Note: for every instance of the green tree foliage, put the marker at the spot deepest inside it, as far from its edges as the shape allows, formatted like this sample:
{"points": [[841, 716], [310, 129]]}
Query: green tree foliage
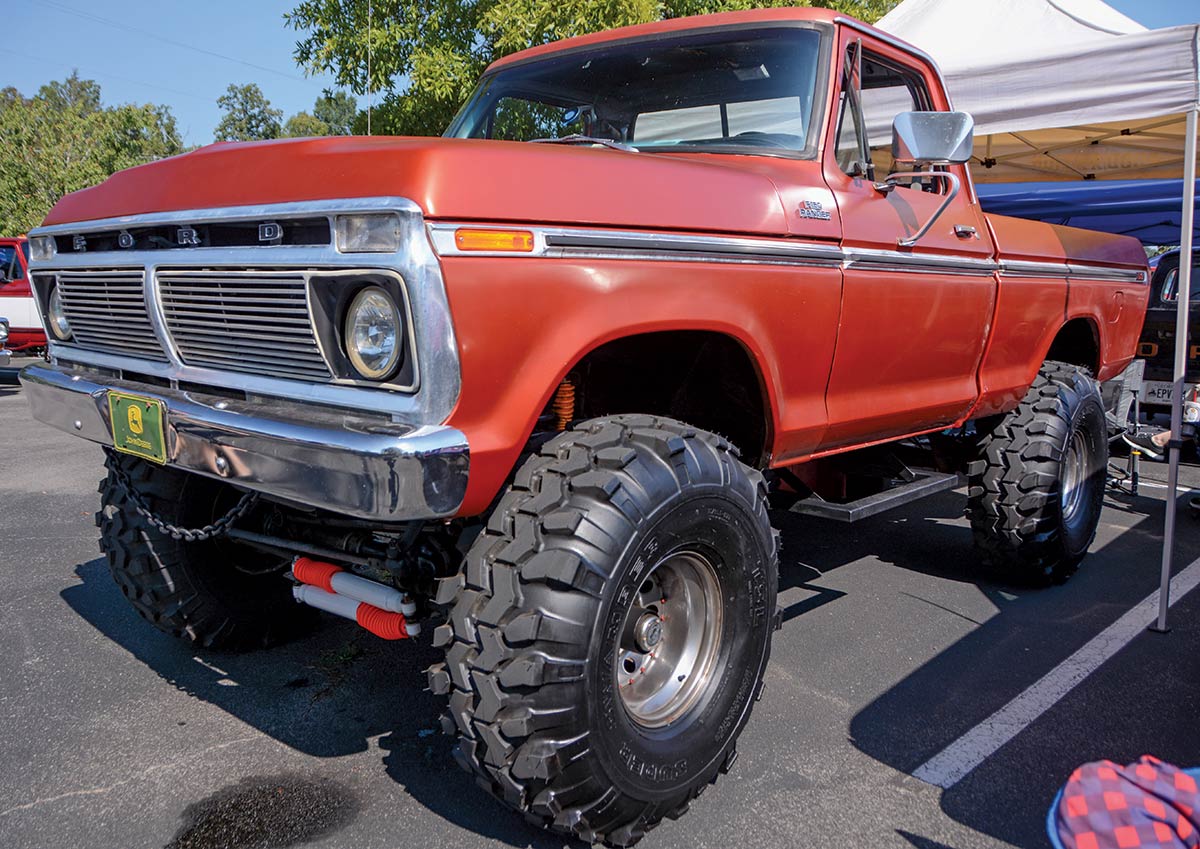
{"points": [[63, 139], [303, 125], [337, 109], [427, 54], [72, 92], [248, 115], [333, 114]]}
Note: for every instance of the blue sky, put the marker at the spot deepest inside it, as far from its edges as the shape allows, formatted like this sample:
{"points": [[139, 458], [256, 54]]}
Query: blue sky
{"points": [[161, 50]]}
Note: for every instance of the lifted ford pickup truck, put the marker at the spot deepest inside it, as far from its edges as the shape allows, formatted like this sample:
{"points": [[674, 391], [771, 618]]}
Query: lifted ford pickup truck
{"points": [[479, 380]]}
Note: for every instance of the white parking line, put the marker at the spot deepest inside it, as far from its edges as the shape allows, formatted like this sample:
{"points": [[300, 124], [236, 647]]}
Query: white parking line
{"points": [[949, 766]]}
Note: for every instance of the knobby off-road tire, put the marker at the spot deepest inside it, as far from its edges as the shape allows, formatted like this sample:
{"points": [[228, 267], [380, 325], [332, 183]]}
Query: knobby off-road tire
{"points": [[623, 533], [1036, 485], [195, 591]]}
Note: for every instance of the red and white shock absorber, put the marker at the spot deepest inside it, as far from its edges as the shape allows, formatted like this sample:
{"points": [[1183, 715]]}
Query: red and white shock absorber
{"points": [[382, 610]]}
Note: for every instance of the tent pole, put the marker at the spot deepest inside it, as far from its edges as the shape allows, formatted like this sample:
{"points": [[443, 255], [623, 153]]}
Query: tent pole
{"points": [[1182, 308]]}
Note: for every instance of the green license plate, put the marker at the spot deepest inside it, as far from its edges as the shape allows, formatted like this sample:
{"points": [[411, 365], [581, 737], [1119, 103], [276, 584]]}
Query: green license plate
{"points": [[137, 426]]}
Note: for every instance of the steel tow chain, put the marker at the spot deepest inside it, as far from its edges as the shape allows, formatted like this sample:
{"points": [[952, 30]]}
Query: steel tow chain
{"points": [[214, 529]]}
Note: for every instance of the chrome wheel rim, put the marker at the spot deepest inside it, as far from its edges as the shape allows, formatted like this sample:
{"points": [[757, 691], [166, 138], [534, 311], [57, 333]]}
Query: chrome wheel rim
{"points": [[1075, 475], [670, 640]]}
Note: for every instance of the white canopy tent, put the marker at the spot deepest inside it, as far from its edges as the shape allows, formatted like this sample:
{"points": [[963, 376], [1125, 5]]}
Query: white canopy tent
{"points": [[1073, 90]]}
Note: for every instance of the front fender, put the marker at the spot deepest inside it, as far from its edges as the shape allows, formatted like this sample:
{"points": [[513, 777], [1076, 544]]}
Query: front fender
{"points": [[523, 323]]}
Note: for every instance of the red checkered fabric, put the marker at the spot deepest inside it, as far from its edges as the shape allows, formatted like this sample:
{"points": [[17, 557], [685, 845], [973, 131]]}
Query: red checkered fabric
{"points": [[1146, 805]]}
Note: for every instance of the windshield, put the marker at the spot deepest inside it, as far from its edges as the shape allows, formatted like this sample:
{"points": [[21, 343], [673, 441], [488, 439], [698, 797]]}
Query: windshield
{"points": [[749, 91]]}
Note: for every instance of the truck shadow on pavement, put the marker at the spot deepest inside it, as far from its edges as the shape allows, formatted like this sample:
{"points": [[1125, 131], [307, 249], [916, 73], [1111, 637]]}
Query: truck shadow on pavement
{"points": [[1143, 700], [326, 696], [331, 693], [923, 538]]}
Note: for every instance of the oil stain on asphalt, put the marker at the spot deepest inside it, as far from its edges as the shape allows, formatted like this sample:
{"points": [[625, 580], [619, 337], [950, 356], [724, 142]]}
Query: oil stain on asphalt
{"points": [[265, 812]]}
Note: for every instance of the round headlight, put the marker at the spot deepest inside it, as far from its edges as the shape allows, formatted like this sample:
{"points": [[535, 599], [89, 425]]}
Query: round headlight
{"points": [[3, 332], [374, 333], [59, 325]]}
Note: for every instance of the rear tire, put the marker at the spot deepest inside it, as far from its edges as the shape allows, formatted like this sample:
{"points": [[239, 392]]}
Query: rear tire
{"points": [[196, 591], [626, 539], [1036, 486]]}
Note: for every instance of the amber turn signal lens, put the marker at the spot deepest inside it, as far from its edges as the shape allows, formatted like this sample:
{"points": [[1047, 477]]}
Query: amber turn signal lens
{"points": [[517, 241]]}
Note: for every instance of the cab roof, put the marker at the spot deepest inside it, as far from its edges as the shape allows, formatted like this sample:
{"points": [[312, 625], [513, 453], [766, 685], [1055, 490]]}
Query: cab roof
{"points": [[673, 25]]}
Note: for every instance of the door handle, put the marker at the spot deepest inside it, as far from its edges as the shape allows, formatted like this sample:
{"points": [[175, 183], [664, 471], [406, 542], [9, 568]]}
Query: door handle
{"points": [[965, 231]]}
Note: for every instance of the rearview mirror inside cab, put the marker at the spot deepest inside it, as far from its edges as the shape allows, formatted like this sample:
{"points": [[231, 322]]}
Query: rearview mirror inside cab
{"points": [[933, 138]]}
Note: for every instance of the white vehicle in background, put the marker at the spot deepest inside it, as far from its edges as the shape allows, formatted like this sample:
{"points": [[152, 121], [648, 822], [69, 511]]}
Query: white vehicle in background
{"points": [[16, 298], [5, 354]]}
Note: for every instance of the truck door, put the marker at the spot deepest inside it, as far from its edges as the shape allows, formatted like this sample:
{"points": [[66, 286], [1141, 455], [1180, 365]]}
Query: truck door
{"points": [[16, 298], [914, 319]]}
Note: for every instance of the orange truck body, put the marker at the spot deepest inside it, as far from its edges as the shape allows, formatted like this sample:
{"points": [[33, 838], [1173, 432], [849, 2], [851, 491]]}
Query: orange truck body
{"points": [[876, 344]]}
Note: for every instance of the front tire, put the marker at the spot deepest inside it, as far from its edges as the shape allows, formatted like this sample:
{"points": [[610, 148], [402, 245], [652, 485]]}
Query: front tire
{"points": [[214, 594], [1036, 486], [610, 631]]}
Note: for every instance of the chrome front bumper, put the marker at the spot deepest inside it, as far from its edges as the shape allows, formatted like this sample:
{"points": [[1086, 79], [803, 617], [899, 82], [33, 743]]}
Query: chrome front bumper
{"points": [[348, 463]]}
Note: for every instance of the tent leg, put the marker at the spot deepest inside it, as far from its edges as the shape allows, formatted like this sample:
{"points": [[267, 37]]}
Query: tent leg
{"points": [[1183, 303]]}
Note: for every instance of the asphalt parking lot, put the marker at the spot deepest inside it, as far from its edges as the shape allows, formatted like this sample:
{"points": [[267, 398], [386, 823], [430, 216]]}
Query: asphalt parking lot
{"points": [[893, 646]]}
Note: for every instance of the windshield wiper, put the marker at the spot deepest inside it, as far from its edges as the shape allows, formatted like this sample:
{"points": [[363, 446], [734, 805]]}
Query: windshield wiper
{"points": [[576, 138]]}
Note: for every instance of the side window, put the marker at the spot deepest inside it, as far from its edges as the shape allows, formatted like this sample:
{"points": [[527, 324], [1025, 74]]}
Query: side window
{"points": [[849, 150], [849, 137], [1170, 285], [885, 90], [10, 269]]}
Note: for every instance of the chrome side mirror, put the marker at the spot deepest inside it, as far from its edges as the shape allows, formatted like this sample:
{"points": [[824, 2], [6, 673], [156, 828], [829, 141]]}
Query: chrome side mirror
{"points": [[932, 138]]}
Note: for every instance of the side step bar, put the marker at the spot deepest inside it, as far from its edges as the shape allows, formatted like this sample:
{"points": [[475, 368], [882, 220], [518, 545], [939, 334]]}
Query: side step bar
{"points": [[924, 483]]}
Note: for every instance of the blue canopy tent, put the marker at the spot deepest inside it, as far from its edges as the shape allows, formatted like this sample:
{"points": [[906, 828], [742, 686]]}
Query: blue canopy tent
{"points": [[1149, 210]]}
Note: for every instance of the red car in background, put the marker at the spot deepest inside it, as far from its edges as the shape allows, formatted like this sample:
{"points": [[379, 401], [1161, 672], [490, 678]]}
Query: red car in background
{"points": [[16, 298]]}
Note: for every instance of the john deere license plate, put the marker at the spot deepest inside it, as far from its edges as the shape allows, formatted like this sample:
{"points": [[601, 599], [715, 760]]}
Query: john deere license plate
{"points": [[137, 426]]}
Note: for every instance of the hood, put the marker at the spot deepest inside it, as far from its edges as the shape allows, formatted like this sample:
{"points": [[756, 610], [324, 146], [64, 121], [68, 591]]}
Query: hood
{"points": [[461, 179]]}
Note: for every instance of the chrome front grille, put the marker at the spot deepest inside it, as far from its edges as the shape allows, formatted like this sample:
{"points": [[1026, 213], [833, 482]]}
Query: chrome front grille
{"points": [[107, 312], [246, 321], [254, 322]]}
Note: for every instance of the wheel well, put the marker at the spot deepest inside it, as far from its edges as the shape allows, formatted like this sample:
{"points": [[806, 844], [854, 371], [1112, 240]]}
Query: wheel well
{"points": [[1077, 344], [703, 378]]}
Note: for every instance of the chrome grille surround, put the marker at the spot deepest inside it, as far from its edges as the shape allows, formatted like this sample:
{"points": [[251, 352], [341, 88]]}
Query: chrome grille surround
{"points": [[246, 321], [428, 399]]}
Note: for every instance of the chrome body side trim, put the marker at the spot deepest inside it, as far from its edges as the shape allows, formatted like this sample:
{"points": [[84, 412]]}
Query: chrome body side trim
{"points": [[363, 466], [566, 243], [1022, 268], [581, 242], [885, 260], [578, 242], [1095, 272], [437, 379]]}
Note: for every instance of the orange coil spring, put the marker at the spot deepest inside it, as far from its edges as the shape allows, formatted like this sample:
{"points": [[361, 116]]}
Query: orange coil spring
{"points": [[564, 403]]}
